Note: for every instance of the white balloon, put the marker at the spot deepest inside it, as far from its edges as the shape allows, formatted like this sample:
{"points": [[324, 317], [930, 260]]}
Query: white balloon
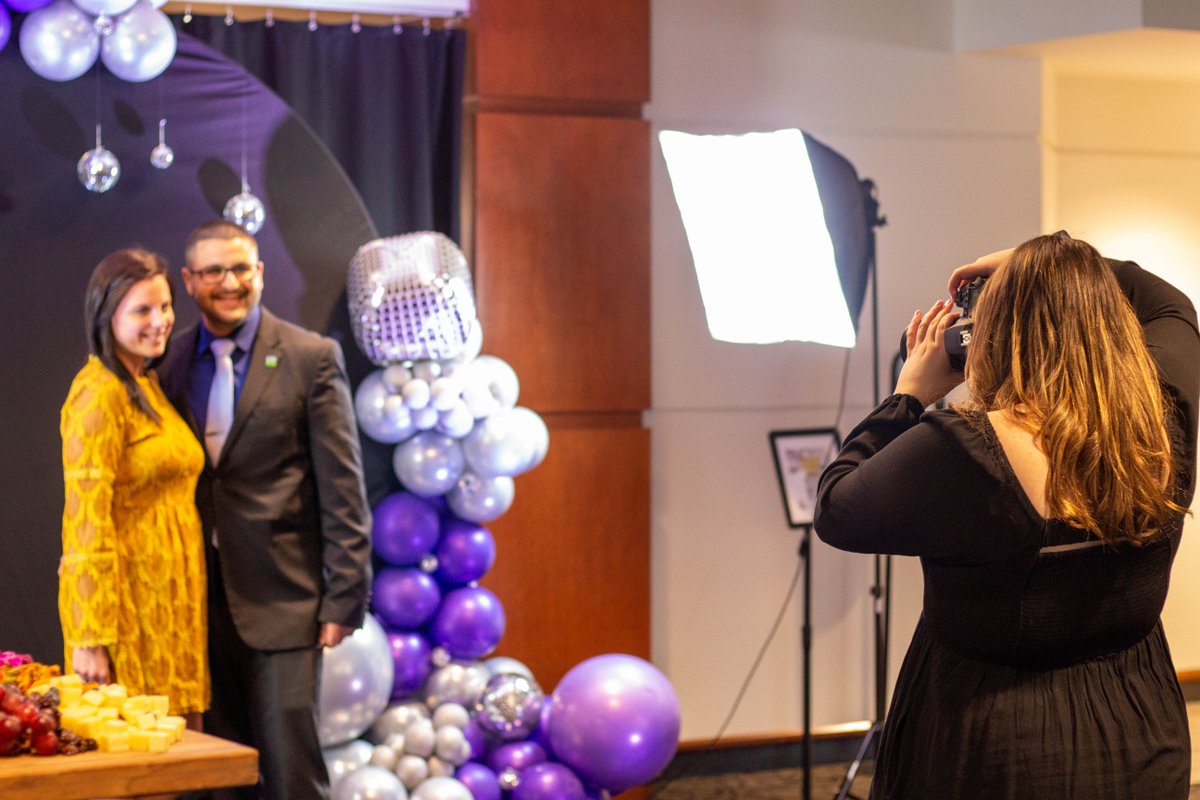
{"points": [[500, 378], [442, 788], [449, 744], [480, 400], [415, 393], [342, 759], [456, 422], [59, 42], [141, 45], [419, 738], [381, 414], [427, 370], [369, 783], [440, 767], [444, 393], [384, 756], [396, 376], [356, 683]]}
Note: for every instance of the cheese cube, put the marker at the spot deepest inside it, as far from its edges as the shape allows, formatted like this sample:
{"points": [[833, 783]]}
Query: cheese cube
{"points": [[114, 695], [115, 726], [158, 703], [69, 695], [74, 679], [93, 697], [174, 726], [113, 742], [107, 712], [159, 741], [146, 721]]}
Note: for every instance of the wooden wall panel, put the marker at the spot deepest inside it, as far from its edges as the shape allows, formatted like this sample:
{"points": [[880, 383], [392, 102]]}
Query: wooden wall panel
{"points": [[562, 251], [573, 558], [559, 49]]}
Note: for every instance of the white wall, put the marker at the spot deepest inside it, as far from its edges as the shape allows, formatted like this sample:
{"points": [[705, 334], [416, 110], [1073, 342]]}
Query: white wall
{"points": [[1124, 158], [952, 142]]}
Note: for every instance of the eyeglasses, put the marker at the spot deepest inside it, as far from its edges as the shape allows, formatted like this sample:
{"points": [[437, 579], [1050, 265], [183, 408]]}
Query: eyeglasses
{"points": [[211, 276]]}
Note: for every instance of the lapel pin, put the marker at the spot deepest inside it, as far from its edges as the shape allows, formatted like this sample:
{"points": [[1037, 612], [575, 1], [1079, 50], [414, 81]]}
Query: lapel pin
{"points": [[271, 361]]}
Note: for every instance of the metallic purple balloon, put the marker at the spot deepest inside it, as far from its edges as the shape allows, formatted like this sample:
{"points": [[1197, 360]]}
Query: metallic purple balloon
{"points": [[614, 720], [5, 26], [469, 624], [477, 739], [480, 780], [404, 528], [26, 6], [410, 654], [518, 755], [405, 598], [465, 553], [549, 782]]}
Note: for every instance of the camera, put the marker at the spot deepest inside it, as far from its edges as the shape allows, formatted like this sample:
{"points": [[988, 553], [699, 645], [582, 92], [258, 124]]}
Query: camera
{"points": [[958, 335]]}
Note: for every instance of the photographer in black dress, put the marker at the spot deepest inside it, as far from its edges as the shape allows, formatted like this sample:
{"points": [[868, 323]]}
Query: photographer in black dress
{"points": [[1046, 510]]}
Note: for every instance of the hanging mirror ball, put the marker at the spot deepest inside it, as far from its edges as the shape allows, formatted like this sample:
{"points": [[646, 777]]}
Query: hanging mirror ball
{"points": [[247, 211], [162, 156], [98, 170], [103, 25]]}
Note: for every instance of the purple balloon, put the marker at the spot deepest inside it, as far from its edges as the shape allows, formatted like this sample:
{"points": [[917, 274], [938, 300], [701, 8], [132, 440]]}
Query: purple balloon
{"points": [[475, 737], [405, 598], [5, 26], [404, 529], [26, 6], [614, 720], [465, 553], [469, 624], [549, 782], [518, 755], [410, 654], [480, 780]]}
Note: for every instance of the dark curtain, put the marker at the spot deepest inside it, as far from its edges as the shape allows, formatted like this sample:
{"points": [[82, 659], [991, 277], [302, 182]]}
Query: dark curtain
{"points": [[387, 105]]}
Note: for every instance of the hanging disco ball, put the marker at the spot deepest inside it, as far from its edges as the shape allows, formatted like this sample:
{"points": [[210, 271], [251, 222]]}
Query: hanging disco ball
{"points": [[245, 210], [410, 299]]}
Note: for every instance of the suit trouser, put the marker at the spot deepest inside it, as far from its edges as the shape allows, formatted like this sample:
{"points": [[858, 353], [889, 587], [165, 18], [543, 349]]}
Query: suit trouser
{"points": [[267, 700]]}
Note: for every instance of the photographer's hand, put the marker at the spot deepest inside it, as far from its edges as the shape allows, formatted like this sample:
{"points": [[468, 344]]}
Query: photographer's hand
{"points": [[927, 374], [980, 267]]}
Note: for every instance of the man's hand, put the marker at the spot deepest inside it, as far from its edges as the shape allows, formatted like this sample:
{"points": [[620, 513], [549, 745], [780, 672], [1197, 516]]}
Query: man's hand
{"points": [[332, 634]]}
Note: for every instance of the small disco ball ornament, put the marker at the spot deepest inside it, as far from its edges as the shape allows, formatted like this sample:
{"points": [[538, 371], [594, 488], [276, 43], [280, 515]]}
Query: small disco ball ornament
{"points": [[245, 210], [510, 706], [98, 170], [162, 157], [410, 299]]}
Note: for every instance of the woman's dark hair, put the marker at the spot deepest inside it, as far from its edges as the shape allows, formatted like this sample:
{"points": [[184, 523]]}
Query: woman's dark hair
{"points": [[112, 279]]}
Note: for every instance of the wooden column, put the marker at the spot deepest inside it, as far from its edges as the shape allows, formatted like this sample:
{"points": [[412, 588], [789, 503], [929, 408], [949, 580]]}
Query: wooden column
{"points": [[558, 232]]}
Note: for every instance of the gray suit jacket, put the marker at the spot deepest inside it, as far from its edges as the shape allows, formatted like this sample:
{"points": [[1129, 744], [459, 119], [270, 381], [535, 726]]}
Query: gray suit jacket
{"points": [[286, 499]]}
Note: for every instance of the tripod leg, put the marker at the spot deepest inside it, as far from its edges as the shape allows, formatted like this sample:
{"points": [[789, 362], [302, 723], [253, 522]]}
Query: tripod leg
{"points": [[859, 757]]}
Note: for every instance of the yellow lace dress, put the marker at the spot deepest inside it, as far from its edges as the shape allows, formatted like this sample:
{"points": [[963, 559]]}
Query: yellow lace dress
{"points": [[133, 573]]}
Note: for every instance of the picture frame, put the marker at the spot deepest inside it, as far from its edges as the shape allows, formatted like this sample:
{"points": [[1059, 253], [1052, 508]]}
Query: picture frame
{"points": [[800, 456]]}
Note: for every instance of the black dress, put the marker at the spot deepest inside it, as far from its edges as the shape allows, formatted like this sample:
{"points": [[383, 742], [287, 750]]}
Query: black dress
{"points": [[1039, 667]]}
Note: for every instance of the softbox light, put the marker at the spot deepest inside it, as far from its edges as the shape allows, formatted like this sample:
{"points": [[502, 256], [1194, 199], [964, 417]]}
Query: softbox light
{"points": [[781, 233]]}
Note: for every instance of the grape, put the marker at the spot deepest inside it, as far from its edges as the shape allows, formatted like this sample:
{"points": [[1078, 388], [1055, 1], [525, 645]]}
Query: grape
{"points": [[11, 701], [45, 745], [27, 713], [10, 729], [43, 723]]}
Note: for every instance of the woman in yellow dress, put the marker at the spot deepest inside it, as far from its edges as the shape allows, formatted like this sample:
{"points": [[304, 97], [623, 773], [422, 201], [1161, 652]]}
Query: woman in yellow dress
{"points": [[131, 594]]}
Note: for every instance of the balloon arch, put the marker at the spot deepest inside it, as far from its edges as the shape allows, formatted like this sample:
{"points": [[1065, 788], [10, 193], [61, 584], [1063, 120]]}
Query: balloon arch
{"points": [[438, 718]]}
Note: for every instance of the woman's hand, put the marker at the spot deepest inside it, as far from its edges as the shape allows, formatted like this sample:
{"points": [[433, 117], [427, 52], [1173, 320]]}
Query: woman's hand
{"points": [[92, 664], [980, 267], [927, 374]]}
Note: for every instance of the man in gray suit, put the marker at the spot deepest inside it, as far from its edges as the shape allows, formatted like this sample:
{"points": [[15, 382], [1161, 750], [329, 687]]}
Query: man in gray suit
{"points": [[282, 503]]}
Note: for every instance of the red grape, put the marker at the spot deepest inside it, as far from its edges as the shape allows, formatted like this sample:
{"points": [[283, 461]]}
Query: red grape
{"points": [[43, 723], [45, 745], [10, 729]]}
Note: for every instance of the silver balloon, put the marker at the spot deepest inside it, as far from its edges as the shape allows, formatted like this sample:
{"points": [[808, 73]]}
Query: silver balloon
{"points": [[370, 783], [141, 45], [451, 715], [429, 464], [505, 443], [98, 169], [510, 706], [420, 738], [459, 682], [356, 683], [245, 210], [383, 421], [395, 719], [452, 745], [59, 42], [501, 664], [410, 298], [440, 768], [478, 499], [109, 7], [442, 788], [342, 759], [456, 421], [412, 770], [500, 379]]}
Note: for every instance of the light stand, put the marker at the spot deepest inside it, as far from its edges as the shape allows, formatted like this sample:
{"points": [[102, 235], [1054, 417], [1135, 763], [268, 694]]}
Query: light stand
{"points": [[881, 589], [806, 661]]}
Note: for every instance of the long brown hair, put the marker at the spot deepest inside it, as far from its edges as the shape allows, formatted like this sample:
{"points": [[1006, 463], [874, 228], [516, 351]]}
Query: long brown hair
{"points": [[112, 279], [1057, 344]]}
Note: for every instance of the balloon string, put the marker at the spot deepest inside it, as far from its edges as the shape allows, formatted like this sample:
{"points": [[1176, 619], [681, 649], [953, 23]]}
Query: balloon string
{"points": [[245, 91]]}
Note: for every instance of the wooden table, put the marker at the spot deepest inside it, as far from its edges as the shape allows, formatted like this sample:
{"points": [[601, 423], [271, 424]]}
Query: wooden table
{"points": [[198, 762]]}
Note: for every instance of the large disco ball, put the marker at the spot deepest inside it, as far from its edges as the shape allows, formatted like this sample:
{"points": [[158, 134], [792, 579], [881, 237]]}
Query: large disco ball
{"points": [[410, 298]]}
